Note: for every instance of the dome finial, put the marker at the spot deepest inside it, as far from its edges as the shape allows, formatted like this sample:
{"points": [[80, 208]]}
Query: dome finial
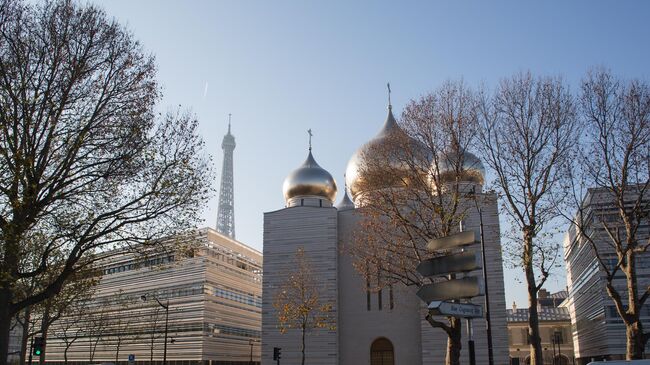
{"points": [[390, 106], [229, 115], [310, 135]]}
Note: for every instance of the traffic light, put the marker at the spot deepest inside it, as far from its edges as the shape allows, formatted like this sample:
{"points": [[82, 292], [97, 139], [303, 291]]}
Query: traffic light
{"points": [[277, 353], [39, 346]]}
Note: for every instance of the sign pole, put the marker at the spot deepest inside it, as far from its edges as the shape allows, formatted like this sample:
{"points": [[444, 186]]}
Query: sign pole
{"points": [[470, 342], [31, 350], [488, 324]]}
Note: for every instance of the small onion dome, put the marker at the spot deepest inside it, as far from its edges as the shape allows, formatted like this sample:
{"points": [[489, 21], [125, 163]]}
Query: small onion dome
{"points": [[346, 203], [309, 180], [472, 170], [389, 130]]}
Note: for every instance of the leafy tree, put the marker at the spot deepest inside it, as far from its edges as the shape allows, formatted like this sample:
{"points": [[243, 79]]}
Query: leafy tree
{"points": [[298, 302], [86, 165]]}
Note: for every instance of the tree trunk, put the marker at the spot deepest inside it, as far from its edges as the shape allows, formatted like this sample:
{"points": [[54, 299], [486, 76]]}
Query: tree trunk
{"points": [[302, 347], [5, 323], [536, 355], [117, 351], [45, 324], [65, 353], [634, 328], [635, 341], [454, 344]]}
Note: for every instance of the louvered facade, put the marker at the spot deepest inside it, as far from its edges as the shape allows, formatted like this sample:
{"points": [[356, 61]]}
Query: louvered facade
{"points": [[598, 331], [214, 297]]}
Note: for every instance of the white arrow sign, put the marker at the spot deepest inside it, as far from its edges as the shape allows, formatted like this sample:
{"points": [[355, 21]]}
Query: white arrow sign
{"points": [[455, 240], [461, 310], [467, 287]]}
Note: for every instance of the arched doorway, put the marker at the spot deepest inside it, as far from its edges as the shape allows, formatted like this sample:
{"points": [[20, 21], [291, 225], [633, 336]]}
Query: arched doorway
{"points": [[381, 352], [561, 360]]}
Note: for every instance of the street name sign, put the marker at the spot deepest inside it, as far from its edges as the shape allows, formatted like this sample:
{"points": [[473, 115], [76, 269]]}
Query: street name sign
{"points": [[453, 241], [460, 262], [460, 310], [466, 287]]}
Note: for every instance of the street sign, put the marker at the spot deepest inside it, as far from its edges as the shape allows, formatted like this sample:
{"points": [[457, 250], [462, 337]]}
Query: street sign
{"points": [[460, 262], [131, 359], [466, 287], [460, 310], [453, 241]]}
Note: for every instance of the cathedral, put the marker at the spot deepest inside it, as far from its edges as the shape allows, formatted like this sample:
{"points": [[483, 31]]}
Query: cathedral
{"points": [[371, 328]]}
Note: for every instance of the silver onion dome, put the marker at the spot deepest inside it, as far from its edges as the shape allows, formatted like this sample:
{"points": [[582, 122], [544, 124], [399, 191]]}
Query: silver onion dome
{"points": [[472, 170], [346, 203], [309, 180], [388, 130]]}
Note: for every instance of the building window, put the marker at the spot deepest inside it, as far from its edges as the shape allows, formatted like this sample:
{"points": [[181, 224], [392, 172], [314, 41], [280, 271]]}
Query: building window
{"points": [[390, 297], [381, 352], [557, 337]]}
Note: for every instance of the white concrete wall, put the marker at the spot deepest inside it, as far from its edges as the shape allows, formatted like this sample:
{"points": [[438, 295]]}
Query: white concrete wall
{"points": [[315, 229], [358, 326]]}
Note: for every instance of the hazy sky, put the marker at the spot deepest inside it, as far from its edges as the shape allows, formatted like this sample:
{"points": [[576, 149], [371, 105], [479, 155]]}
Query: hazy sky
{"points": [[282, 67]]}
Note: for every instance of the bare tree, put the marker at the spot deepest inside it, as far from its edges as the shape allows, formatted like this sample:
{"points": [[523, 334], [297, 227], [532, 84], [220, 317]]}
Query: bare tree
{"points": [[610, 191], [416, 186], [527, 130], [298, 302], [86, 164], [69, 329], [154, 317]]}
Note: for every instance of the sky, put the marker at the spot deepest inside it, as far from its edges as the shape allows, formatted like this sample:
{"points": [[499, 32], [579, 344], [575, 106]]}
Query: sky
{"points": [[283, 67]]}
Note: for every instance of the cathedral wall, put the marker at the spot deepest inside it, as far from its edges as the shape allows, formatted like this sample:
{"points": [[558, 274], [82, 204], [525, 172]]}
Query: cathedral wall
{"points": [[359, 326], [315, 229]]}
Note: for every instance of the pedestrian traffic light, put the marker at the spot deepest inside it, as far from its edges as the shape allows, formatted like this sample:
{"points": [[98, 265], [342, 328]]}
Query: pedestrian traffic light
{"points": [[39, 346], [277, 353]]}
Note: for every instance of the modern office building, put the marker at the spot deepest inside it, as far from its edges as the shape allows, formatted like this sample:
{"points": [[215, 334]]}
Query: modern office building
{"points": [[554, 327], [598, 331], [384, 328], [211, 288]]}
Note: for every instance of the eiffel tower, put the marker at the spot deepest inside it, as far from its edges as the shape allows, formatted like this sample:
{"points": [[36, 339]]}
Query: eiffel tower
{"points": [[226, 212]]}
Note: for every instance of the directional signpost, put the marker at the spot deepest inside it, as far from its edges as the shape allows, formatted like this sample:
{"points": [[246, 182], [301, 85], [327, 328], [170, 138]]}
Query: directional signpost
{"points": [[463, 310], [439, 294]]}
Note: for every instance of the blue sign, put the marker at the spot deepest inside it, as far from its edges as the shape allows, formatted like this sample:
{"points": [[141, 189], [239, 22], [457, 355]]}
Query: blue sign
{"points": [[131, 357]]}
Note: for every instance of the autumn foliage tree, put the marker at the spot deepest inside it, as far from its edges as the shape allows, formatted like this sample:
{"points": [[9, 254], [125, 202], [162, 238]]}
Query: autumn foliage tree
{"points": [[299, 304], [413, 189], [86, 165]]}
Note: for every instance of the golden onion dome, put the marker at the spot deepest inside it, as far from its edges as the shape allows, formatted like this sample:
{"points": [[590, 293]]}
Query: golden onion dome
{"points": [[390, 129], [309, 180], [472, 170]]}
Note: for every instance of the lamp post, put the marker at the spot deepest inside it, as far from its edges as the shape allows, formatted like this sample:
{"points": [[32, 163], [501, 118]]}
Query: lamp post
{"points": [[250, 342], [166, 307], [488, 322]]}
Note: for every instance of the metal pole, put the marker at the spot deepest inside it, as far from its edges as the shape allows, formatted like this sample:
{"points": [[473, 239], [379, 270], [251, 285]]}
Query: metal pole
{"points": [[470, 343], [553, 343], [250, 342], [559, 352], [488, 322], [166, 324], [31, 350]]}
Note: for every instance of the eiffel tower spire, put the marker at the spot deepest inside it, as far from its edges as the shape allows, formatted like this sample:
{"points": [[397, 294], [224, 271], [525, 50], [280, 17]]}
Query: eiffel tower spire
{"points": [[226, 212]]}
